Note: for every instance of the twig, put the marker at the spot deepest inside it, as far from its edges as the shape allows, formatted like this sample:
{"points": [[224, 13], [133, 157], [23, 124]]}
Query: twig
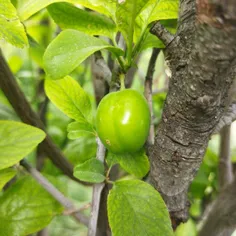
{"points": [[148, 91], [225, 164], [54, 192], [97, 190], [162, 33], [73, 211], [22, 107]]}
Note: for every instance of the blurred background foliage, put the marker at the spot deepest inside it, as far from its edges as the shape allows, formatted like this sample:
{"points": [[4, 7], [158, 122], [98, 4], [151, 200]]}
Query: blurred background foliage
{"points": [[26, 65]]}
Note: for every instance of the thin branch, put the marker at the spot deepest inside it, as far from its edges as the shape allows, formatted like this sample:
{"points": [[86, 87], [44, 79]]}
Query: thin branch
{"points": [[54, 192], [225, 164], [97, 190], [148, 91], [162, 33], [73, 211], [22, 107]]}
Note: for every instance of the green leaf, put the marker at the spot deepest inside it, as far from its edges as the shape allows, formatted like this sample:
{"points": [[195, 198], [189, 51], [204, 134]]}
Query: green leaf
{"points": [[165, 10], [134, 163], [26, 208], [160, 10], [80, 150], [151, 41], [126, 14], [11, 28], [70, 98], [5, 176], [16, 141], [80, 129], [68, 16], [27, 8], [69, 49], [90, 171], [136, 208], [187, 229]]}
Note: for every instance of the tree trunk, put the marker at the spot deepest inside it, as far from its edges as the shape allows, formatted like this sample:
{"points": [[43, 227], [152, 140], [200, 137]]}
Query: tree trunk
{"points": [[202, 61]]}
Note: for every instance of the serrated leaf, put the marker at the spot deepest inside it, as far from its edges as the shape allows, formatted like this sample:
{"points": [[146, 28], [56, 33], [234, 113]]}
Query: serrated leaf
{"points": [[136, 208], [11, 28], [91, 170], [126, 13], [70, 98], [134, 163], [27, 8], [80, 129], [69, 49], [68, 16], [26, 208], [16, 141], [5, 176]]}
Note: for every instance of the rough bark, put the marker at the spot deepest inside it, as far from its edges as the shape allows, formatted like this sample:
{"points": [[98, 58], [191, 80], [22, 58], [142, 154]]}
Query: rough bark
{"points": [[202, 61]]}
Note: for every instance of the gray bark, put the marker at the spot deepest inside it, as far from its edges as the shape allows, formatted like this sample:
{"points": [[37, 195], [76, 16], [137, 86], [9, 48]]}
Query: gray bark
{"points": [[202, 61]]}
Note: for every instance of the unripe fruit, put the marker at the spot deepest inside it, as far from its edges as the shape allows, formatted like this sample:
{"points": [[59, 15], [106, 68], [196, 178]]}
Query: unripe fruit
{"points": [[123, 121]]}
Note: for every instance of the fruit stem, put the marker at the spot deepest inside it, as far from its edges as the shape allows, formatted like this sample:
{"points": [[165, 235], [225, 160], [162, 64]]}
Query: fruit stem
{"points": [[122, 81]]}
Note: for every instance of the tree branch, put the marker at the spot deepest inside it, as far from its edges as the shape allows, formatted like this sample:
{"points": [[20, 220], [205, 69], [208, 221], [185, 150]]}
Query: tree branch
{"points": [[97, 190], [222, 219], [201, 59], [54, 192], [228, 118], [148, 91], [18, 101], [225, 164], [162, 33]]}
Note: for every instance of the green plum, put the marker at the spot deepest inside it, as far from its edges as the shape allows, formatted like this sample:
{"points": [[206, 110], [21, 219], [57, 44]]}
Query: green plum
{"points": [[123, 121]]}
